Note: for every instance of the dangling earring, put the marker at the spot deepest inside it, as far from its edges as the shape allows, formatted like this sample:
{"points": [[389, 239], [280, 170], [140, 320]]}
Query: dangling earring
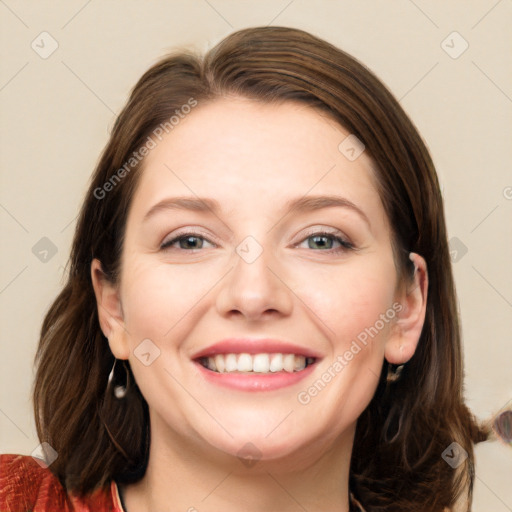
{"points": [[119, 390], [394, 372]]}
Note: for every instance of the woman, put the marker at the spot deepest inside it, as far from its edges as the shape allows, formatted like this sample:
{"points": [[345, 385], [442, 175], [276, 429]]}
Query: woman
{"points": [[260, 312]]}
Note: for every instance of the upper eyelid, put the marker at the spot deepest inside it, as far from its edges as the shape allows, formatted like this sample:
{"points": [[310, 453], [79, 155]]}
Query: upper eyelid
{"points": [[309, 231], [174, 238]]}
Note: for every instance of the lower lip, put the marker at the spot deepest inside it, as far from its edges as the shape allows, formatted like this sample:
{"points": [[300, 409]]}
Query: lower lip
{"points": [[255, 381]]}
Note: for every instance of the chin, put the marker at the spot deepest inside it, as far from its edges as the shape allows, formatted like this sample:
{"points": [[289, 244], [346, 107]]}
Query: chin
{"points": [[278, 446]]}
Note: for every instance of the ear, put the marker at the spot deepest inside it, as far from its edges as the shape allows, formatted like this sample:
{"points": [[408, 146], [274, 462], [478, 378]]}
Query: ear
{"points": [[404, 337], [110, 312]]}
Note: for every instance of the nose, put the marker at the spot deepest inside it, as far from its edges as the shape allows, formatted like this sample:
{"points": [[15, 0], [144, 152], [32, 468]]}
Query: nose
{"points": [[255, 289]]}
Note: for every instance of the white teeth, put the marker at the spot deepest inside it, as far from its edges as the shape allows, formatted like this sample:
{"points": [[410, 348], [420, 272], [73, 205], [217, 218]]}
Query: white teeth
{"points": [[300, 363], [244, 363], [289, 363], [258, 363], [219, 363], [231, 364], [261, 363], [276, 362]]}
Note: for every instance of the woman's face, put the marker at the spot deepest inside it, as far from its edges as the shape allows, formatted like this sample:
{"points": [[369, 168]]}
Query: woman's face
{"points": [[251, 267]]}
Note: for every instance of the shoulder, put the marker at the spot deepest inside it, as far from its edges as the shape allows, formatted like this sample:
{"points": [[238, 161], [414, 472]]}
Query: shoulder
{"points": [[26, 485]]}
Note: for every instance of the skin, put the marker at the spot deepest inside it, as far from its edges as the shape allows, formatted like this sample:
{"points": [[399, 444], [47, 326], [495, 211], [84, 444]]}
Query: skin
{"points": [[252, 158]]}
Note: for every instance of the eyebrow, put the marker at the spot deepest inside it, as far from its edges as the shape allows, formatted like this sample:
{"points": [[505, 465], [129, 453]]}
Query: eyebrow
{"points": [[302, 204]]}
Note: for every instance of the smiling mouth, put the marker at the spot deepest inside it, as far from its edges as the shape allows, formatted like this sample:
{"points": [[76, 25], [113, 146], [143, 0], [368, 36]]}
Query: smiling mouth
{"points": [[256, 363]]}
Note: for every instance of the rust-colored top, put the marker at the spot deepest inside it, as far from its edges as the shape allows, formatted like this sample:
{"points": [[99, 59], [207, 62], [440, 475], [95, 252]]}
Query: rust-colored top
{"points": [[25, 486]]}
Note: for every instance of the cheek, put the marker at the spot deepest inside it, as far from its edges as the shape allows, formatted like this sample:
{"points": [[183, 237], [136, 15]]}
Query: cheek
{"points": [[157, 298], [355, 305], [162, 303], [349, 300]]}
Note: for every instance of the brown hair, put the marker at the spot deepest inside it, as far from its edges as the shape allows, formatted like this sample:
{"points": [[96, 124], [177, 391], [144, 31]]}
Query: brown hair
{"points": [[396, 463]]}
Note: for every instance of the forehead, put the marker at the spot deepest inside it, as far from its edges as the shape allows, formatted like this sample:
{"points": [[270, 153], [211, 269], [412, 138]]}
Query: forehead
{"points": [[240, 151]]}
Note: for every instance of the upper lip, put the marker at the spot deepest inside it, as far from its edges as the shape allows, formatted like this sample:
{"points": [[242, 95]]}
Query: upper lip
{"points": [[254, 346]]}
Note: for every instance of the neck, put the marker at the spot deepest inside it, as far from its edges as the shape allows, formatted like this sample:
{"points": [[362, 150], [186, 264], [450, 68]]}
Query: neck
{"points": [[182, 476]]}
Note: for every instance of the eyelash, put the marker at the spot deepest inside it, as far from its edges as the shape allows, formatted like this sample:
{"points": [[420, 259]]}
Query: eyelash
{"points": [[345, 244]]}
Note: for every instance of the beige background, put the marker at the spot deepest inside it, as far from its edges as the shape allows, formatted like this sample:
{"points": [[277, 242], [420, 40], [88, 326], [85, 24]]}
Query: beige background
{"points": [[57, 112]]}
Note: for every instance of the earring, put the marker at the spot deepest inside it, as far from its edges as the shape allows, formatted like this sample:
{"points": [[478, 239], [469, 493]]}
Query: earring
{"points": [[394, 372], [119, 390]]}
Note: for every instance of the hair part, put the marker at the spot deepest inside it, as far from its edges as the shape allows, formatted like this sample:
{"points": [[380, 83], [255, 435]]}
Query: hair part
{"points": [[396, 462]]}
